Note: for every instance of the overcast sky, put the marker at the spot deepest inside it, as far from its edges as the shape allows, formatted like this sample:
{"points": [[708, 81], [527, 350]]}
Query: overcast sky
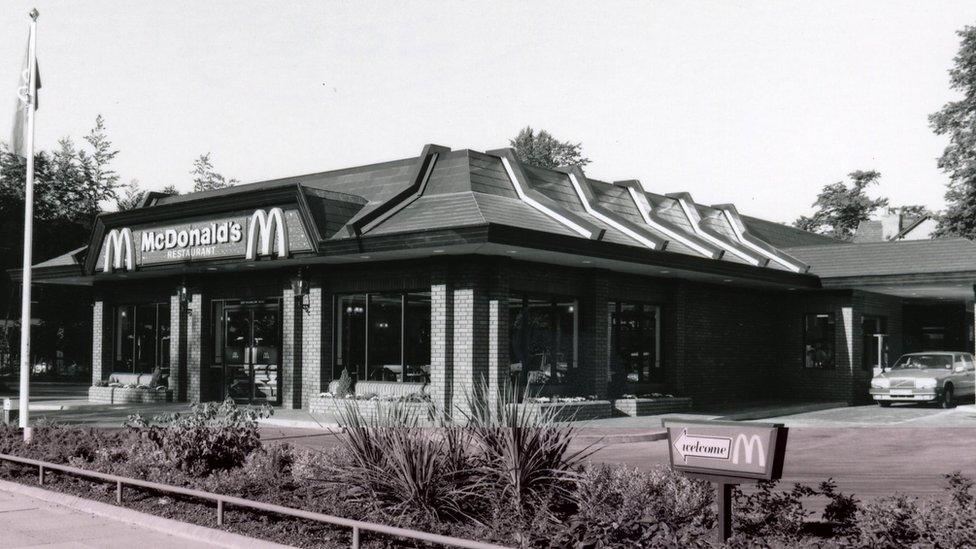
{"points": [[755, 103]]}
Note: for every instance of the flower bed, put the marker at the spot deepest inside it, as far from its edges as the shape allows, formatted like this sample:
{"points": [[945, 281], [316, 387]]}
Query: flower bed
{"points": [[128, 395], [369, 408], [651, 405], [567, 409]]}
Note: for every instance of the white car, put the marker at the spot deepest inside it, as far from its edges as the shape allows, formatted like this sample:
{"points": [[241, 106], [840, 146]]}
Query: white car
{"points": [[937, 376]]}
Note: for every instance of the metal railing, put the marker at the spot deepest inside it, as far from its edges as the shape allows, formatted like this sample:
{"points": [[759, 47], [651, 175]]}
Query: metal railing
{"points": [[357, 526]]}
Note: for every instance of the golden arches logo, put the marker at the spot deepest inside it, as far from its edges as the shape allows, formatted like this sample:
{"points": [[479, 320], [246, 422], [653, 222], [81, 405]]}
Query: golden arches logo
{"points": [[119, 250], [266, 233]]}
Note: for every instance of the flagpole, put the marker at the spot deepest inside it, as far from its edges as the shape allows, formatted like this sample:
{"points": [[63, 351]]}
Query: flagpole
{"points": [[25, 306]]}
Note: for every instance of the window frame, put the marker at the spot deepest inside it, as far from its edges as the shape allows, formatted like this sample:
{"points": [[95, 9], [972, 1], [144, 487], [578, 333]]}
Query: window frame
{"points": [[831, 340], [657, 369], [524, 298], [160, 360], [340, 353]]}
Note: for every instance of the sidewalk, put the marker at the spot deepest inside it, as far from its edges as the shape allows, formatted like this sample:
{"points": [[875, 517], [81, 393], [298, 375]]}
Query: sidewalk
{"points": [[29, 522]]}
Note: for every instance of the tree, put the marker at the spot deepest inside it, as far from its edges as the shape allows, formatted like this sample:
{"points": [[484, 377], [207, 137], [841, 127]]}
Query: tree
{"points": [[956, 120], [100, 182], [542, 149], [171, 190], [132, 198], [205, 178], [840, 209]]}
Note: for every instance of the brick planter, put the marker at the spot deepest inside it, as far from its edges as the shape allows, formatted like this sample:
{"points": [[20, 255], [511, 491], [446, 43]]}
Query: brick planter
{"points": [[569, 411], [127, 395], [369, 409], [651, 406]]}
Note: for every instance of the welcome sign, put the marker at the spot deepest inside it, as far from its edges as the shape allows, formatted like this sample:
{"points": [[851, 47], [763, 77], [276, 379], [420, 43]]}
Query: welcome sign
{"points": [[271, 232], [726, 448]]}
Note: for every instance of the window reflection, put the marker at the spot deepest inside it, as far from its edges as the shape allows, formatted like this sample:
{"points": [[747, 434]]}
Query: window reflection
{"points": [[141, 338], [542, 339], [383, 336], [635, 349]]}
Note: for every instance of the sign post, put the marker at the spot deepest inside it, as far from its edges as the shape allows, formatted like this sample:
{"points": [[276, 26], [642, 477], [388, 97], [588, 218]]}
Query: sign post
{"points": [[726, 453]]}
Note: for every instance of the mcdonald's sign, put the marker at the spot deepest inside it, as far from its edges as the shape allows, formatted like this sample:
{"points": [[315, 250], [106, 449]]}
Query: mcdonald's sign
{"points": [[727, 448], [119, 250], [272, 233]]}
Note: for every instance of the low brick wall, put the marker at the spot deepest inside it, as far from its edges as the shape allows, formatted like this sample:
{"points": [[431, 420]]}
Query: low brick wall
{"points": [[369, 409], [127, 395], [569, 411], [651, 406]]}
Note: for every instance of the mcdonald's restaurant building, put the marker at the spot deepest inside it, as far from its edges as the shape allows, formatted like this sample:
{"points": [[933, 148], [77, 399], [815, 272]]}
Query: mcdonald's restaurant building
{"points": [[440, 271]]}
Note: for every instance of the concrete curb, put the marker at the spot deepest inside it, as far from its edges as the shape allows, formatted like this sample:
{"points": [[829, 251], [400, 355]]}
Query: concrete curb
{"points": [[172, 527], [788, 410], [624, 438], [298, 423]]}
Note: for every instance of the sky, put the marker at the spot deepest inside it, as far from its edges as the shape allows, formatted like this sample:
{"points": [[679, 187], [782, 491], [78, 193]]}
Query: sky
{"points": [[754, 103]]}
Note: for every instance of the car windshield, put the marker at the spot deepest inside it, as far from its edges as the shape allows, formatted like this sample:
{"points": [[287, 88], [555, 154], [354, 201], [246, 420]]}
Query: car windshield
{"points": [[923, 362]]}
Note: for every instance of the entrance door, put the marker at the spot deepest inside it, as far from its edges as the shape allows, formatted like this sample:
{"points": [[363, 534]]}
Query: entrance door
{"points": [[252, 341]]}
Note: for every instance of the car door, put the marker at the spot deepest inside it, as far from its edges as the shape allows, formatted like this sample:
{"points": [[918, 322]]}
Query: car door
{"points": [[969, 374], [962, 376]]}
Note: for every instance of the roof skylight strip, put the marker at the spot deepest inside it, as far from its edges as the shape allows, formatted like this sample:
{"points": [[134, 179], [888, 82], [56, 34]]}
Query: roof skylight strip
{"points": [[608, 220], [524, 197], [744, 239], [645, 210], [696, 219]]}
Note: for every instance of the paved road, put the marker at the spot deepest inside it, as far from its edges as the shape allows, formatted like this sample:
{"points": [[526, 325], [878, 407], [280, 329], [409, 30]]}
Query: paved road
{"points": [[28, 522]]}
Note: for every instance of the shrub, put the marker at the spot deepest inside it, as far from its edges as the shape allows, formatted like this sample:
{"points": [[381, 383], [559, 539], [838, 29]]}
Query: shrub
{"points": [[767, 512], [841, 509], [344, 386], [210, 437], [890, 521], [622, 507]]}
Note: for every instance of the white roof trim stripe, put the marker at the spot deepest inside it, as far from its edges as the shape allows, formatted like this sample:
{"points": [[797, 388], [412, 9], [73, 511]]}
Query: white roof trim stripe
{"points": [[524, 197], [731, 218], [608, 220], [644, 206], [695, 218]]}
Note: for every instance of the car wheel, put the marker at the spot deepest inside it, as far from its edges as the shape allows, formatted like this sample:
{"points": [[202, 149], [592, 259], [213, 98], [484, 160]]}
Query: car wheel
{"points": [[884, 403], [948, 400]]}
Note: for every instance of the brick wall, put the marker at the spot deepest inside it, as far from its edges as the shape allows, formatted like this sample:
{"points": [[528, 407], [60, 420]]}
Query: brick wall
{"points": [[195, 334], [177, 370], [311, 347], [288, 348], [441, 344], [98, 336]]}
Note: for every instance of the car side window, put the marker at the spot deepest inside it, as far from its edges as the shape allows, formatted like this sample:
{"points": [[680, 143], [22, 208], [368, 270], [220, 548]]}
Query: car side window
{"points": [[967, 360]]}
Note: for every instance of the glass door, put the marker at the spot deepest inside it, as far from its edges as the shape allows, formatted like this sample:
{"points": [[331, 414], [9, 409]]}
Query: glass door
{"points": [[252, 340]]}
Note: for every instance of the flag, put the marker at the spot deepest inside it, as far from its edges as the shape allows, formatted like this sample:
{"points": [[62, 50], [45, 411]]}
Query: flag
{"points": [[18, 141]]}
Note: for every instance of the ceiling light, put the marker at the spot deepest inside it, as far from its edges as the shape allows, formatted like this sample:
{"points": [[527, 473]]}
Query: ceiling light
{"points": [[512, 251], [726, 280], [437, 251], [364, 257], [665, 272], [587, 261]]}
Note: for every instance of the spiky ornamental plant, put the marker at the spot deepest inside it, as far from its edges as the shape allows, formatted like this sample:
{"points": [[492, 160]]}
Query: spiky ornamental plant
{"points": [[523, 450], [404, 469]]}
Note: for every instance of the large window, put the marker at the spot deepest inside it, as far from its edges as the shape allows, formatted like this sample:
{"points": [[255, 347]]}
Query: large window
{"points": [[141, 338], [543, 338], [635, 342], [818, 340], [383, 336]]}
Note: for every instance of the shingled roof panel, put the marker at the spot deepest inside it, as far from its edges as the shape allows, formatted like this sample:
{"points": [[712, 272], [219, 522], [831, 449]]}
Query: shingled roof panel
{"points": [[889, 258]]}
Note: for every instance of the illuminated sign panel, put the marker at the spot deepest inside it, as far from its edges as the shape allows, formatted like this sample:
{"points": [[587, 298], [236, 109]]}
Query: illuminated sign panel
{"points": [[250, 235]]}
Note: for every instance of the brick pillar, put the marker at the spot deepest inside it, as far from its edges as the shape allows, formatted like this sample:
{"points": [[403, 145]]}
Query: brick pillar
{"points": [[463, 333], [98, 341], [287, 347], [499, 361], [177, 370], [194, 333], [311, 347], [441, 341]]}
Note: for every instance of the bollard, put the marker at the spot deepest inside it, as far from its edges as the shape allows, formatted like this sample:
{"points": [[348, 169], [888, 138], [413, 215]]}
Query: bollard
{"points": [[118, 492], [40, 475], [220, 512], [355, 537]]}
